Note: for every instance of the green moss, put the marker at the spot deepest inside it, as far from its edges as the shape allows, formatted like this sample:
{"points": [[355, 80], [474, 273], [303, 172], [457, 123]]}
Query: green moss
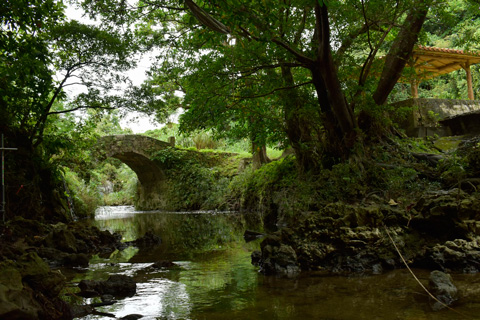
{"points": [[30, 264], [196, 180], [447, 143]]}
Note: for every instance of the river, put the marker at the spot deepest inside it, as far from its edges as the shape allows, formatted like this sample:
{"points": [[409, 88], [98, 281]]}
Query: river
{"points": [[214, 278]]}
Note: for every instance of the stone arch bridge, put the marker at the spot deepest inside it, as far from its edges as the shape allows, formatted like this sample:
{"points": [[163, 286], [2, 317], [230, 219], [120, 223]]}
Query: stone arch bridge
{"points": [[136, 152]]}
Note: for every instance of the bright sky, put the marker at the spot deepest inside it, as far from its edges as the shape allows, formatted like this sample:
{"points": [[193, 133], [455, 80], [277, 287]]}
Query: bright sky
{"points": [[138, 122]]}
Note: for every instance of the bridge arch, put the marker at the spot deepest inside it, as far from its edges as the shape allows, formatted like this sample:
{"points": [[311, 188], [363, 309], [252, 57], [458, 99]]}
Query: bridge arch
{"points": [[136, 152]]}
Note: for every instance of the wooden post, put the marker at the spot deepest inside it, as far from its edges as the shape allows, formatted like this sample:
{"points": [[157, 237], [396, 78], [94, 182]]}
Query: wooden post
{"points": [[171, 140], [414, 83], [414, 87], [466, 66], [4, 202]]}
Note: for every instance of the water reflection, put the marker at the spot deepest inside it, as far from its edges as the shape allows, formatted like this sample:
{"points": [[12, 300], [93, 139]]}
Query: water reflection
{"points": [[214, 262], [215, 279]]}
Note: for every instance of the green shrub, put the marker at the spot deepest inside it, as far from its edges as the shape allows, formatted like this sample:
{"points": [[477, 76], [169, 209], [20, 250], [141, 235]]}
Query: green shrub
{"points": [[271, 193], [85, 198], [195, 181]]}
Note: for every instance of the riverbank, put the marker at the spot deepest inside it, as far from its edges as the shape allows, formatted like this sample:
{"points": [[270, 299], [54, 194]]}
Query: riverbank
{"points": [[31, 287], [401, 201], [440, 231], [409, 202]]}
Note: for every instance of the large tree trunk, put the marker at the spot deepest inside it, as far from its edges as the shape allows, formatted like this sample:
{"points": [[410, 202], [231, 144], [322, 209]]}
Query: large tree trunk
{"points": [[259, 155], [339, 120], [400, 51], [297, 125]]}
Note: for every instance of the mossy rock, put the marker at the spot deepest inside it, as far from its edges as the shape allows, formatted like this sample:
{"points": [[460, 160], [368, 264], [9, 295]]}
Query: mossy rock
{"points": [[10, 277], [30, 264], [16, 301], [61, 239], [49, 284], [22, 227]]}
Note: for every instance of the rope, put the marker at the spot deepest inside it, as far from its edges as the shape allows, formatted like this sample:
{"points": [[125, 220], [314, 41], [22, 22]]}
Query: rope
{"points": [[418, 281]]}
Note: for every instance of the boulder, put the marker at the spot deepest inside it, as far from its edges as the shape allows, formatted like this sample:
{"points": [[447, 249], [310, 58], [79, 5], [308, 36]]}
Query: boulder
{"points": [[164, 264], [148, 240], [120, 286], [90, 288], [76, 260], [441, 286], [459, 255], [61, 239], [16, 302], [30, 264], [50, 284], [279, 260], [25, 286], [116, 285]]}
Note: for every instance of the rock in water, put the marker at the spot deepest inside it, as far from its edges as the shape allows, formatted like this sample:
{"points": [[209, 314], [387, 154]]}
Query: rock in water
{"points": [[120, 285], [442, 287], [132, 317], [148, 240], [117, 285]]}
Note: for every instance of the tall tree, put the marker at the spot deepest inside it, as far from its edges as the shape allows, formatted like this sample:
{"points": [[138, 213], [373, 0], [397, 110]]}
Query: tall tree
{"points": [[225, 53], [290, 36], [41, 55], [39, 59]]}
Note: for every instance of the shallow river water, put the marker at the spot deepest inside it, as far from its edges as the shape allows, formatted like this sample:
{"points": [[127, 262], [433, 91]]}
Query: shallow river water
{"points": [[215, 279]]}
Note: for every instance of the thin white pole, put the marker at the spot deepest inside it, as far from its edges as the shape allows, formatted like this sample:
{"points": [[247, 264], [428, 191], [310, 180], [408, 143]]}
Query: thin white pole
{"points": [[4, 202], [3, 183]]}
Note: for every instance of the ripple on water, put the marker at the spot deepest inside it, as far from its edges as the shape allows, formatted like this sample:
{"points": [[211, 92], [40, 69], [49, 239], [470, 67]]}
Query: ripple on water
{"points": [[157, 298], [219, 282]]}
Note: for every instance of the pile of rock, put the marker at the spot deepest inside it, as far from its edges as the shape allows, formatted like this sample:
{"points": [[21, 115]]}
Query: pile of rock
{"points": [[29, 289], [439, 232]]}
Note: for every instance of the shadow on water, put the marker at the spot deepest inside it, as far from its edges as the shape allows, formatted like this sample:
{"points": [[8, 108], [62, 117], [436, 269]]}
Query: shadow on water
{"points": [[215, 279]]}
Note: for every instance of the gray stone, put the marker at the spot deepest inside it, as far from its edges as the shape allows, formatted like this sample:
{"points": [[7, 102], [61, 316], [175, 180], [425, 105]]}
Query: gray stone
{"points": [[136, 151], [132, 317], [441, 286], [117, 285]]}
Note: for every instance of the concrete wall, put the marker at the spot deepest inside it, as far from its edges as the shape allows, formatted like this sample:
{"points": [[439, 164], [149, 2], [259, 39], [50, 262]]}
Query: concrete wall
{"points": [[426, 116]]}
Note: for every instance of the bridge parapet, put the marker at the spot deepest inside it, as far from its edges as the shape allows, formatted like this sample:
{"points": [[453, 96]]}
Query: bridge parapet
{"points": [[131, 143]]}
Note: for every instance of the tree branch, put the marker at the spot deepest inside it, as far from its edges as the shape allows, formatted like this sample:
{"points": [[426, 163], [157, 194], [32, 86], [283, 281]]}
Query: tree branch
{"points": [[298, 56], [206, 19], [400, 51], [156, 5], [273, 91], [78, 108], [300, 30]]}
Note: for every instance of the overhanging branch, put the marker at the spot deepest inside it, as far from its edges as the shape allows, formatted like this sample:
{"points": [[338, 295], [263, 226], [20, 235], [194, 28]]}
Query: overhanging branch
{"points": [[78, 108], [273, 91], [206, 19], [298, 56]]}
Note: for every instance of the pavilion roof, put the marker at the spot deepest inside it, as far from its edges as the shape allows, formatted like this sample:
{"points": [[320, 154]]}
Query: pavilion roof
{"points": [[430, 62]]}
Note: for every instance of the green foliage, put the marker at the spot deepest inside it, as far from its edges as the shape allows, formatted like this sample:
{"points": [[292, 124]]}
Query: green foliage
{"points": [[202, 140], [71, 141], [452, 170], [260, 80], [115, 182], [463, 163], [85, 198], [41, 54], [255, 85], [195, 180], [277, 191], [473, 160], [273, 191]]}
